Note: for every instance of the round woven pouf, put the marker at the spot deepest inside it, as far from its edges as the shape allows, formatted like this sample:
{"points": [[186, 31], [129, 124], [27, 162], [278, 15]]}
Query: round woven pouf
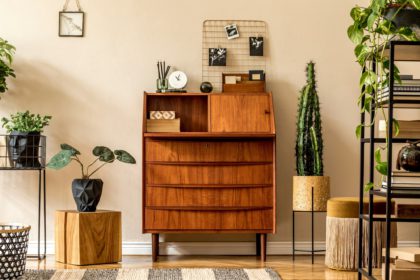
{"points": [[342, 233], [13, 248]]}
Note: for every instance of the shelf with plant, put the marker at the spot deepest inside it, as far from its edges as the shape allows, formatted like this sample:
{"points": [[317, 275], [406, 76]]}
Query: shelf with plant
{"points": [[373, 28], [6, 59]]}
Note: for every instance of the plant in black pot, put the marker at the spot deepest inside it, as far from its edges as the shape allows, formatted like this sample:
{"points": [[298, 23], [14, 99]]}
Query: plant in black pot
{"points": [[6, 58], [87, 191], [23, 141]]}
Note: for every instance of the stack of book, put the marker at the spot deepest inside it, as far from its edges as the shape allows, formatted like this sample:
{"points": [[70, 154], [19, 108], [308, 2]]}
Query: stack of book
{"points": [[407, 264], [408, 87], [408, 129], [403, 181]]}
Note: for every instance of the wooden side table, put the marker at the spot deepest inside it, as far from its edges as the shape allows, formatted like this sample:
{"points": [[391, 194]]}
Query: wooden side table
{"points": [[86, 238]]}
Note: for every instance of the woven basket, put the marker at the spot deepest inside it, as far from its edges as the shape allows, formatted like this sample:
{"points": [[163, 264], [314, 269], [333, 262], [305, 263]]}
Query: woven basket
{"points": [[13, 248]]}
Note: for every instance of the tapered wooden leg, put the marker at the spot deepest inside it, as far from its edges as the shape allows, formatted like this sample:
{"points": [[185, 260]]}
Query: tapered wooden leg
{"points": [[257, 244], [155, 246], [263, 246]]}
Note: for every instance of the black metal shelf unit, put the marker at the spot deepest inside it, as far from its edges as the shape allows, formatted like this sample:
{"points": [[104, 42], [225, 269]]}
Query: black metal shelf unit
{"points": [[392, 103], [28, 153]]}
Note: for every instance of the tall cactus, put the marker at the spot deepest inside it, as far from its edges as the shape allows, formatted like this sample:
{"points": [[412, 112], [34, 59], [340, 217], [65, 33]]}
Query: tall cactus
{"points": [[309, 143]]}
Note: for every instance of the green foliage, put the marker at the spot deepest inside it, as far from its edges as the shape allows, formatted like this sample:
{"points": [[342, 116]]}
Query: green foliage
{"points": [[309, 142], [25, 122], [6, 59], [371, 32], [104, 154]]}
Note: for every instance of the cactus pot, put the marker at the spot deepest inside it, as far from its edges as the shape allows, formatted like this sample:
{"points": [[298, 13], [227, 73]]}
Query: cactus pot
{"points": [[302, 192], [87, 193]]}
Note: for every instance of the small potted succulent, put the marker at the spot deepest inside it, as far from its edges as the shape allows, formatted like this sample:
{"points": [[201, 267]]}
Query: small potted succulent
{"points": [[23, 141], [6, 58], [87, 191]]}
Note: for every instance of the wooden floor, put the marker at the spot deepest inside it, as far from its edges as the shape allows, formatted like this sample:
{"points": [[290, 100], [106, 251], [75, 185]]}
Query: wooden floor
{"points": [[300, 269]]}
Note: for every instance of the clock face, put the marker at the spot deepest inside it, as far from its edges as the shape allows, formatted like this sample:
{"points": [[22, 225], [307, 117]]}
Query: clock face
{"points": [[178, 80]]}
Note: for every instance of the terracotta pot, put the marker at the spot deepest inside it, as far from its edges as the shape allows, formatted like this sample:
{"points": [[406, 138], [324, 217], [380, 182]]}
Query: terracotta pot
{"points": [[302, 192]]}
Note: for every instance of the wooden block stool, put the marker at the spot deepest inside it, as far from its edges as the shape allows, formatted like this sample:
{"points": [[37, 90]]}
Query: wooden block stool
{"points": [[342, 233], [85, 238]]}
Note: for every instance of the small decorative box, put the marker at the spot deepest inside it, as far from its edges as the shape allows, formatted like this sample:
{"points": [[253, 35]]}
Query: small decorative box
{"points": [[162, 115]]}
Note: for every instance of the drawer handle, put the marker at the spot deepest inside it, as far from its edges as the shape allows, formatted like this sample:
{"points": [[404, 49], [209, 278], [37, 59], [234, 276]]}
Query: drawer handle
{"points": [[267, 112]]}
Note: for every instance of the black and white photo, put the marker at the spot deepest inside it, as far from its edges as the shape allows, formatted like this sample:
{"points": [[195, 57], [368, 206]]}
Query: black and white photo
{"points": [[71, 24], [256, 46], [232, 31], [217, 56]]}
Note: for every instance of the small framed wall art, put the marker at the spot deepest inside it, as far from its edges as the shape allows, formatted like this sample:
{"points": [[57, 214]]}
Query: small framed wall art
{"points": [[217, 56], [71, 23], [232, 31]]}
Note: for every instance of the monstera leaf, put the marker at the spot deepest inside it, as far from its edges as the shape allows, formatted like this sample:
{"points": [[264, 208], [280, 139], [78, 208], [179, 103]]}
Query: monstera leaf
{"points": [[124, 156], [60, 160], [67, 147], [104, 153]]}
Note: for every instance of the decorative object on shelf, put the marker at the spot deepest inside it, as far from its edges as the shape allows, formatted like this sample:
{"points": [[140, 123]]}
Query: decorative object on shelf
{"points": [[405, 15], [256, 75], [206, 87], [162, 125], [256, 46], [13, 248], [6, 59], [217, 56], [238, 50], [342, 229], [162, 83], [88, 238], [372, 32], [178, 80], [162, 115], [86, 191], [232, 31], [239, 82], [23, 141], [409, 157], [71, 23], [309, 150]]}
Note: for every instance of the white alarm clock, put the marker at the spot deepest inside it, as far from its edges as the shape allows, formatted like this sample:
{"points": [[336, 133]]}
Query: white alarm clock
{"points": [[178, 80]]}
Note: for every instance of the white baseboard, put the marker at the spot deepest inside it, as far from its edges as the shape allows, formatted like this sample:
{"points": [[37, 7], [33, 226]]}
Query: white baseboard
{"points": [[210, 248]]}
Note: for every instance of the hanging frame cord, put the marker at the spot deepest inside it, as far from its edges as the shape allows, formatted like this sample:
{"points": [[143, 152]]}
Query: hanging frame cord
{"points": [[66, 4]]}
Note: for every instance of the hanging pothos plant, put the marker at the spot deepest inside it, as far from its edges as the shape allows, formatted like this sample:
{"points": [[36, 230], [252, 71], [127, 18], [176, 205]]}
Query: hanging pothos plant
{"points": [[372, 30]]}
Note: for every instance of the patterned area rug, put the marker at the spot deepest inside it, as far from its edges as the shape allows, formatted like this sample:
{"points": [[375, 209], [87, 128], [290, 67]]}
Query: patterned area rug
{"points": [[154, 274]]}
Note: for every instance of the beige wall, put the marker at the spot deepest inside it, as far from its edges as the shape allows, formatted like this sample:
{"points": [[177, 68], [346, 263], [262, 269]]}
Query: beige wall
{"points": [[93, 89]]}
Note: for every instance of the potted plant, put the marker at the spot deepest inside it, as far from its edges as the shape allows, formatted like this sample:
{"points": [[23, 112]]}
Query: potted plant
{"points": [[309, 151], [23, 141], [6, 58], [87, 191], [404, 13], [372, 30]]}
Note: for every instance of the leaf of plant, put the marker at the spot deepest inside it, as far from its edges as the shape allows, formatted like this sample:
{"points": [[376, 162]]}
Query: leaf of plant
{"points": [[369, 186], [382, 168], [104, 153], [372, 19], [378, 155], [60, 160], [368, 103], [359, 131], [355, 34], [415, 3], [368, 78], [124, 156], [67, 147], [396, 125]]}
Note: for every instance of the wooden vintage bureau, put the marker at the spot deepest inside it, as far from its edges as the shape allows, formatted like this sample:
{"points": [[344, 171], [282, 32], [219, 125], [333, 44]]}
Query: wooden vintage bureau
{"points": [[215, 176]]}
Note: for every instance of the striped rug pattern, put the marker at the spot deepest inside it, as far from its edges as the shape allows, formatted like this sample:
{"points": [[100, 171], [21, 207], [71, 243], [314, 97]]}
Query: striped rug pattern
{"points": [[155, 274]]}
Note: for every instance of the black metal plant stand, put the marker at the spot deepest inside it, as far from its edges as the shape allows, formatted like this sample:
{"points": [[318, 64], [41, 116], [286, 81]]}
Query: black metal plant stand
{"points": [[33, 158], [401, 102], [312, 250]]}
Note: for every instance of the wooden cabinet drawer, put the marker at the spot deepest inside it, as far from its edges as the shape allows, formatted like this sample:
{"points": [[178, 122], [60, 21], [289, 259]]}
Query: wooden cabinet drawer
{"points": [[204, 197], [173, 220], [208, 151], [168, 174]]}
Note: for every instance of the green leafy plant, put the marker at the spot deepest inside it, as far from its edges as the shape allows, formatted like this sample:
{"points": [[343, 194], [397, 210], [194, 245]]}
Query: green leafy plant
{"points": [[309, 143], [102, 154], [371, 32], [25, 122], [6, 58]]}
